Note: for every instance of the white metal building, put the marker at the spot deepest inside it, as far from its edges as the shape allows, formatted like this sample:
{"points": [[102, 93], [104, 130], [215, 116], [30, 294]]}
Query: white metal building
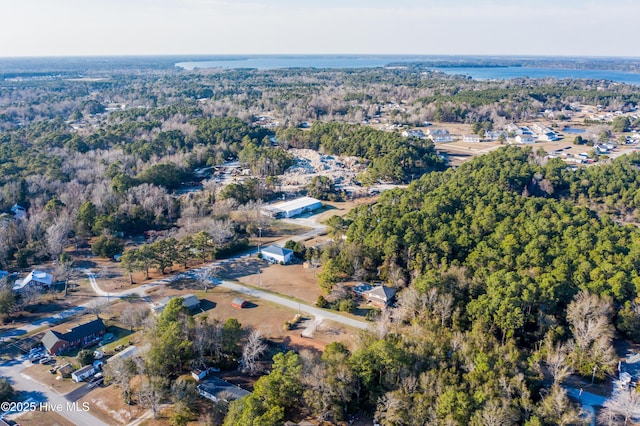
{"points": [[294, 207], [276, 254]]}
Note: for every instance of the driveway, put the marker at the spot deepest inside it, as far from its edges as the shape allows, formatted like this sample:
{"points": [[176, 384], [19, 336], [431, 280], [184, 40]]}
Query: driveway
{"points": [[316, 312]]}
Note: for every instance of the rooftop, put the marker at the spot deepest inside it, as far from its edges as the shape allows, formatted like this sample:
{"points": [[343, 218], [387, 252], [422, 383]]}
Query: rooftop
{"points": [[221, 389], [298, 203], [276, 250]]}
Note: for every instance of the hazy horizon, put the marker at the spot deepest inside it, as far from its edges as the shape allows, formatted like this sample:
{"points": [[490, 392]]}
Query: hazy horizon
{"points": [[42, 28]]}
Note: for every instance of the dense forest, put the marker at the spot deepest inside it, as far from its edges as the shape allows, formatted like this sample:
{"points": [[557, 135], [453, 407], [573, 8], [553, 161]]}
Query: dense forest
{"points": [[507, 289]]}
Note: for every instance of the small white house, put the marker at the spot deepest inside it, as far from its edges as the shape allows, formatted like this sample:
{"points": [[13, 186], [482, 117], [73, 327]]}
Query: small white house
{"points": [[83, 373], [471, 138], [277, 254], [525, 139], [415, 133]]}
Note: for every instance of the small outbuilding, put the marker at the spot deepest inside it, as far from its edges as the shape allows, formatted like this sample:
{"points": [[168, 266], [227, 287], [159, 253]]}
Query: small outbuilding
{"points": [[239, 303], [277, 254]]}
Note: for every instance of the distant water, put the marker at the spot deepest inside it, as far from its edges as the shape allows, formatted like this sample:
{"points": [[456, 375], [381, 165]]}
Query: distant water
{"points": [[298, 61], [372, 61], [506, 73]]}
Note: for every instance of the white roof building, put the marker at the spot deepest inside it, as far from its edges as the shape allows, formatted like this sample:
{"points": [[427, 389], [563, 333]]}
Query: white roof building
{"points": [[34, 279], [294, 207], [277, 254], [525, 139]]}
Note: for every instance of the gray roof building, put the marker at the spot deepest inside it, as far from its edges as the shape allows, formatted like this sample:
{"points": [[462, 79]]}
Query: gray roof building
{"points": [[216, 389]]}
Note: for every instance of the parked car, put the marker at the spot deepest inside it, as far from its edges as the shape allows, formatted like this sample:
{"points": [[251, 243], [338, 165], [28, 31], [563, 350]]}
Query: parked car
{"points": [[107, 338], [35, 357]]}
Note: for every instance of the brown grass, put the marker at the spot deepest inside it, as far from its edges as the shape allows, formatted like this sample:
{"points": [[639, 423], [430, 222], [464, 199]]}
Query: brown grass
{"points": [[40, 418], [40, 373], [108, 405]]}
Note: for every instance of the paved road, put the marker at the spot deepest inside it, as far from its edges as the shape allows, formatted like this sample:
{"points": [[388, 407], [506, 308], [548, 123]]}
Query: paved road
{"points": [[588, 400], [316, 312], [37, 392], [102, 298]]}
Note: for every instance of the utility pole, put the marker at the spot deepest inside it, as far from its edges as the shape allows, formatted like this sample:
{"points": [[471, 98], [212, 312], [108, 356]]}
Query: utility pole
{"points": [[259, 241]]}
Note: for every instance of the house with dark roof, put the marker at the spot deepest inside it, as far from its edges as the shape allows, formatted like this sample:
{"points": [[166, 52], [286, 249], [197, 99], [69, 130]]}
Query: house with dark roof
{"points": [[79, 336], [277, 254], [380, 296]]}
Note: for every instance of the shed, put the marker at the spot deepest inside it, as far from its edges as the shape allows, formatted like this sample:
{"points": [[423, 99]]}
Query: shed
{"points": [[83, 373], [239, 303]]}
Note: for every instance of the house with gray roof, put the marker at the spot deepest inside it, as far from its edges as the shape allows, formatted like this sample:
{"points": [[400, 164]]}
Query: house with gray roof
{"points": [[189, 301], [277, 254], [215, 389], [380, 296]]}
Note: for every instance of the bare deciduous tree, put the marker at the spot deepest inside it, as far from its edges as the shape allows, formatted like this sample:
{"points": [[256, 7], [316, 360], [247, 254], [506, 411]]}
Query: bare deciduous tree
{"points": [[557, 361], [134, 316], [253, 348], [151, 394], [620, 409], [444, 307]]}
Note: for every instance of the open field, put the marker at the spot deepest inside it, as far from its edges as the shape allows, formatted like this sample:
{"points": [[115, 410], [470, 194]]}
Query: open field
{"points": [[108, 405], [269, 318], [40, 418]]}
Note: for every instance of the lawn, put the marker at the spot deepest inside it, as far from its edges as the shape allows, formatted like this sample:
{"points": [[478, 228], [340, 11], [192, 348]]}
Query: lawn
{"points": [[41, 374]]}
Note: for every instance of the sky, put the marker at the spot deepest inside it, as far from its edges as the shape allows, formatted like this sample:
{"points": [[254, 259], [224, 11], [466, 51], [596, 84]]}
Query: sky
{"points": [[429, 27]]}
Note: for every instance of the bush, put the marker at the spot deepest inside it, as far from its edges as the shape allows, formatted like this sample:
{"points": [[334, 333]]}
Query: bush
{"points": [[322, 302], [346, 305]]}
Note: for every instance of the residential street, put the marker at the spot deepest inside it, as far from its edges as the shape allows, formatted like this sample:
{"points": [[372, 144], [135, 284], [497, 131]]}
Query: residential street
{"points": [[38, 393]]}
